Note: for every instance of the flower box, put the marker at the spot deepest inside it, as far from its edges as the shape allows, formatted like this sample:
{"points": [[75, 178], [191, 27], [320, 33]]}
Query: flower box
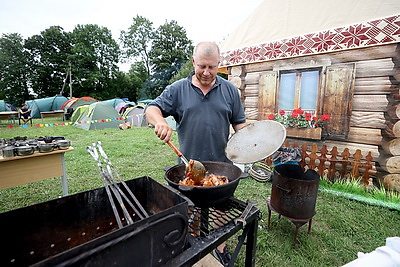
{"points": [[306, 133]]}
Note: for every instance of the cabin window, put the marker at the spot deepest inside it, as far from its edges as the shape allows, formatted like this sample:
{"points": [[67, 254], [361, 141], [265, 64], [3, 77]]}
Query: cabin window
{"points": [[299, 89]]}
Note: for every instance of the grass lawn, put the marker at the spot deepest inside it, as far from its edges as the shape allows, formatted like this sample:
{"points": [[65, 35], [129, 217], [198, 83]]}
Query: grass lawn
{"points": [[340, 229]]}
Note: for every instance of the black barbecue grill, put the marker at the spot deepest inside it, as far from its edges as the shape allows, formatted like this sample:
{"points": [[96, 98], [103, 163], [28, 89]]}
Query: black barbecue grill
{"points": [[80, 230], [209, 227]]}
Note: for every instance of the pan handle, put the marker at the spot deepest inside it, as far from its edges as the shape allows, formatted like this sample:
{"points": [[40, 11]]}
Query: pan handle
{"points": [[283, 189]]}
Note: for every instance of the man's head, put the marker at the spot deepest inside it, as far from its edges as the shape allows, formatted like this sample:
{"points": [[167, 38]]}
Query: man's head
{"points": [[205, 62]]}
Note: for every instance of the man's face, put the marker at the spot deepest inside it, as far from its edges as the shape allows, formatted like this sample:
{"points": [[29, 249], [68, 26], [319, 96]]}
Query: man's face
{"points": [[205, 68]]}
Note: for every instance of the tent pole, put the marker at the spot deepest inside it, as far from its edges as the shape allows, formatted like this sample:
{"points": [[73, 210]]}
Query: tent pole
{"points": [[70, 80]]}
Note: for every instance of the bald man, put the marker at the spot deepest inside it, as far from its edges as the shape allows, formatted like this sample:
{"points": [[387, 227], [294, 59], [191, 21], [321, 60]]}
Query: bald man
{"points": [[204, 107]]}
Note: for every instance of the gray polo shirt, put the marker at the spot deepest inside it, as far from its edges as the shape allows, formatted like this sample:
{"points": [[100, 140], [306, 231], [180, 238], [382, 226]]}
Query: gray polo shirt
{"points": [[202, 121]]}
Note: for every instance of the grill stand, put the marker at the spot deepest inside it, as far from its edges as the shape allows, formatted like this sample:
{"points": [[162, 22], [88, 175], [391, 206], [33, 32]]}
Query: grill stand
{"points": [[216, 227], [297, 222]]}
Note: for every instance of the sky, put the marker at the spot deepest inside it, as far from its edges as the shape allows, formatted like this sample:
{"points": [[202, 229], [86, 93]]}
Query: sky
{"points": [[205, 20]]}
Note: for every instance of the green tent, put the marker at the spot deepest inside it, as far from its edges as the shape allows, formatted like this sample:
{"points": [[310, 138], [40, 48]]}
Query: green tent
{"points": [[98, 115], [78, 113]]}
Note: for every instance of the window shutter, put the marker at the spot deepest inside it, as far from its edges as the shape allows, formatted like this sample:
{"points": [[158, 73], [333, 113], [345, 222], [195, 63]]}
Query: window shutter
{"points": [[267, 94], [338, 96]]}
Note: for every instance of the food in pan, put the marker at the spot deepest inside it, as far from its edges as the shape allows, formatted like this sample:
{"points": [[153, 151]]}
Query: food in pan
{"points": [[208, 180]]}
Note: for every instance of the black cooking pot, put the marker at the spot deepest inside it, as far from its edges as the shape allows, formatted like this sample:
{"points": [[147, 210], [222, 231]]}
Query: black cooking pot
{"points": [[212, 196]]}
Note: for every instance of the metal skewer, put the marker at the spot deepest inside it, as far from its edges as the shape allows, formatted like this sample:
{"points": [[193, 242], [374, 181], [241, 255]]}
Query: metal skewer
{"points": [[107, 187], [112, 169]]}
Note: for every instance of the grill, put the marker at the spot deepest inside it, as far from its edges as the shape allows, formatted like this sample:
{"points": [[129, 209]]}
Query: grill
{"points": [[81, 230], [209, 227]]}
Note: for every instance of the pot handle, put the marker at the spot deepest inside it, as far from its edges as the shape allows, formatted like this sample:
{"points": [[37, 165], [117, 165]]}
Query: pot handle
{"points": [[283, 189]]}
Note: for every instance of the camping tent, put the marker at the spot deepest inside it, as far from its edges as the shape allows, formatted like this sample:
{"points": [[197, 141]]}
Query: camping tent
{"points": [[6, 107], [114, 102], [78, 113], [98, 116], [45, 104], [135, 115], [76, 102], [121, 107], [145, 101]]}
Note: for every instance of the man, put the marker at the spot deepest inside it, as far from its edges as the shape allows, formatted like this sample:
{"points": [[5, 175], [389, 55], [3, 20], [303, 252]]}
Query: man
{"points": [[25, 113], [204, 107]]}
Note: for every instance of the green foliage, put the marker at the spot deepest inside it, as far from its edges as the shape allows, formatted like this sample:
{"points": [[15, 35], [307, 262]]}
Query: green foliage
{"points": [[95, 55], [137, 75], [163, 51], [14, 69], [137, 40], [38, 66], [184, 72], [48, 52]]}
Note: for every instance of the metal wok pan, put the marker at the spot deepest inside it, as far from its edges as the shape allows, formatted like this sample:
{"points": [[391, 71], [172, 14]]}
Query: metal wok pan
{"points": [[213, 196]]}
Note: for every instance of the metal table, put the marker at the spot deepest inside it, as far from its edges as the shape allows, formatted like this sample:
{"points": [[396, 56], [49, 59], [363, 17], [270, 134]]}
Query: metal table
{"points": [[21, 170], [210, 227]]}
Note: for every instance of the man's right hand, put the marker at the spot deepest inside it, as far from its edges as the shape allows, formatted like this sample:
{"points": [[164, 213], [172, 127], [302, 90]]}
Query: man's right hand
{"points": [[163, 131]]}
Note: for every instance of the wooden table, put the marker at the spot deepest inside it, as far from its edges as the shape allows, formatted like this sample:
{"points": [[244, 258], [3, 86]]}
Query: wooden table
{"points": [[21, 170], [53, 114], [8, 115]]}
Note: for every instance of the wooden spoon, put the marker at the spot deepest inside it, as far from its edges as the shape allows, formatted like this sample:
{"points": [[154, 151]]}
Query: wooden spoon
{"points": [[194, 169]]}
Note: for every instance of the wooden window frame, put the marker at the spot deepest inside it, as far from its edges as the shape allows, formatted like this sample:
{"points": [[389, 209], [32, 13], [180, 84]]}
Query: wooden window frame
{"points": [[298, 72]]}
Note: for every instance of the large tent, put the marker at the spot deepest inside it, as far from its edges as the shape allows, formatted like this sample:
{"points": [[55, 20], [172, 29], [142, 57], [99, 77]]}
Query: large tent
{"points": [[45, 104], [98, 116], [266, 33]]}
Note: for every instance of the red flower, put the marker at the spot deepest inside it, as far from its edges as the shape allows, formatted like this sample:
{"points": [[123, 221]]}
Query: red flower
{"points": [[281, 112], [295, 115], [325, 117], [298, 111], [9, 126], [271, 116], [314, 118]]}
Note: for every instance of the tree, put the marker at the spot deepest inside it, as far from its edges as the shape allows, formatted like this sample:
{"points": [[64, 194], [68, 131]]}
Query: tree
{"points": [[184, 72], [14, 80], [49, 52], [170, 49], [137, 40], [94, 59], [137, 76]]}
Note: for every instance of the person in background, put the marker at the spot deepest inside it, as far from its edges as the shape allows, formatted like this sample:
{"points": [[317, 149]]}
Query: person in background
{"points": [[204, 107], [25, 113]]}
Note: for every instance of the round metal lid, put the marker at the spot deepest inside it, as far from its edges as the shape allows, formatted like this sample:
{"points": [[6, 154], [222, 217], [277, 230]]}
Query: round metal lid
{"points": [[255, 141]]}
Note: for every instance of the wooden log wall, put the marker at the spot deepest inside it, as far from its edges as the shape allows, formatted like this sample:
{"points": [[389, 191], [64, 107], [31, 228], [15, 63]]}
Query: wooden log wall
{"points": [[375, 116]]}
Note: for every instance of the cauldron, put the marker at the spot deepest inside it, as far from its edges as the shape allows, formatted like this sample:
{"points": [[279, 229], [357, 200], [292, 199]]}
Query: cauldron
{"points": [[211, 196], [294, 192]]}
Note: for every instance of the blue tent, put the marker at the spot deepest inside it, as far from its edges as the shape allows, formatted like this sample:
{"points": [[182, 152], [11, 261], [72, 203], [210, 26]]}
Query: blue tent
{"points": [[45, 104], [113, 102], [6, 107]]}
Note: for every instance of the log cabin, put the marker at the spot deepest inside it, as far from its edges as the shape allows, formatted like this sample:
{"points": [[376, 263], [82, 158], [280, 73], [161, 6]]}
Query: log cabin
{"points": [[340, 58]]}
